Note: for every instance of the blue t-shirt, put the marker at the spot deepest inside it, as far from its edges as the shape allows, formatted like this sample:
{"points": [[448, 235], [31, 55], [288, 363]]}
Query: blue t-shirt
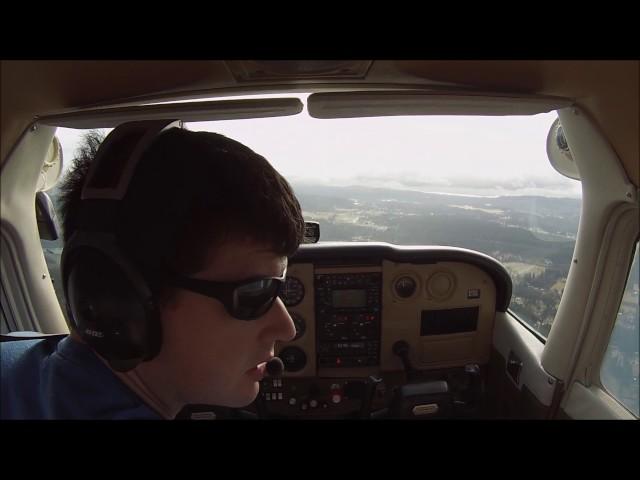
{"points": [[58, 378]]}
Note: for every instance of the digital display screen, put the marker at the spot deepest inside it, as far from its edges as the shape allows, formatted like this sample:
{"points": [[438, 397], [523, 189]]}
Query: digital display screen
{"points": [[349, 298]]}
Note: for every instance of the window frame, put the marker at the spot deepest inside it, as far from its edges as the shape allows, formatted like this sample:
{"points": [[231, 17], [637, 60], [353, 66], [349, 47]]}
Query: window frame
{"points": [[599, 381], [535, 333]]}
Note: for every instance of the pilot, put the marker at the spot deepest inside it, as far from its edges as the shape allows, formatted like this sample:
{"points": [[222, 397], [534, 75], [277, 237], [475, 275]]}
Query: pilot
{"points": [[176, 247]]}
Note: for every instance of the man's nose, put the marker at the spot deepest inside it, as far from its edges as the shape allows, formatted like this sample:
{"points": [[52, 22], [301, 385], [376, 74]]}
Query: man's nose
{"points": [[280, 322]]}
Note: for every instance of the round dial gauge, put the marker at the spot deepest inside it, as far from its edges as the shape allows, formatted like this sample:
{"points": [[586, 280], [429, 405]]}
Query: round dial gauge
{"points": [[294, 359], [405, 286], [292, 292]]}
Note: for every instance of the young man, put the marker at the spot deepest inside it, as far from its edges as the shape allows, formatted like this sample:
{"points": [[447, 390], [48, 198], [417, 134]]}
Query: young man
{"points": [[209, 225]]}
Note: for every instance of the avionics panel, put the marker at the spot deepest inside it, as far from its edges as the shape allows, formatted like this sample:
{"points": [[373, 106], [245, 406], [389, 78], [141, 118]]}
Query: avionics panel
{"points": [[348, 312]]}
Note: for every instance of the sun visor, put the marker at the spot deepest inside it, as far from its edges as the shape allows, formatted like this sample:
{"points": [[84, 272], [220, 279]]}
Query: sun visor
{"points": [[384, 103], [185, 111]]}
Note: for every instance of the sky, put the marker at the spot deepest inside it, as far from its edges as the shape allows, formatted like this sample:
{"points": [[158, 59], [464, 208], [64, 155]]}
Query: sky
{"points": [[473, 155]]}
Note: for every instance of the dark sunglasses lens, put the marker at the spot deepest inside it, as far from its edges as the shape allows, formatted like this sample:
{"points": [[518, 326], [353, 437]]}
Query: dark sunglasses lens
{"points": [[254, 299]]}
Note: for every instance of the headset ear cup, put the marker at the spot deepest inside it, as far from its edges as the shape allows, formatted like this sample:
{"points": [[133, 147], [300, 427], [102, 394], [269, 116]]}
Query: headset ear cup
{"points": [[111, 308]]}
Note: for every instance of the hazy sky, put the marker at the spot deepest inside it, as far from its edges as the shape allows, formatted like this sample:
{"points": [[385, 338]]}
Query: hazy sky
{"points": [[448, 154]]}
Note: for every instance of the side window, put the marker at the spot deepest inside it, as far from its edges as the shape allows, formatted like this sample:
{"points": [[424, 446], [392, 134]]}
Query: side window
{"points": [[72, 141], [619, 371]]}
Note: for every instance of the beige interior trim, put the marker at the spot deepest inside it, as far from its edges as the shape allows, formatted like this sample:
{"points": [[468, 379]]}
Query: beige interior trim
{"points": [[604, 302], [582, 403], [605, 188], [20, 236]]}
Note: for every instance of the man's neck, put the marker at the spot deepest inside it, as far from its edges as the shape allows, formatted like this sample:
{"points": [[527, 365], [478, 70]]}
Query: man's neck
{"points": [[135, 381]]}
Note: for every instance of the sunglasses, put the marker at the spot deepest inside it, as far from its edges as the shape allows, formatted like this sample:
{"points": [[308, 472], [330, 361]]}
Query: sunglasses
{"points": [[245, 300]]}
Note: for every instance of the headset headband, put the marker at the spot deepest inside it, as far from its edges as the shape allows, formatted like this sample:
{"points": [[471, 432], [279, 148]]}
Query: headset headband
{"points": [[110, 173]]}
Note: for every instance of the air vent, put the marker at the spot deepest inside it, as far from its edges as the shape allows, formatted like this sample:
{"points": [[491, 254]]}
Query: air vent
{"points": [[266, 70]]}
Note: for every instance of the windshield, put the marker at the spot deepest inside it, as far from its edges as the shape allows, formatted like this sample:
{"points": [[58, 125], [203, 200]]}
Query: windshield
{"points": [[476, 182]]}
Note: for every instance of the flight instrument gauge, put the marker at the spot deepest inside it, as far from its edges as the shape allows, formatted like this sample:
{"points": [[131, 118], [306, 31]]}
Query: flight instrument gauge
{"points": [[405, 286], [294, 359], [292, 292]]}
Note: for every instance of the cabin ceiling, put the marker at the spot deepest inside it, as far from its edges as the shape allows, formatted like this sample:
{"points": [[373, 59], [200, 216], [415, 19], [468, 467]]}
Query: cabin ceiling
{"points": [[607, 90]]}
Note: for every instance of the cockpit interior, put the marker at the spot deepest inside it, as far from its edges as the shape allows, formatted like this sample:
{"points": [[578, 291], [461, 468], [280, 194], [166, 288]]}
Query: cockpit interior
{"points": [[383, 330]]}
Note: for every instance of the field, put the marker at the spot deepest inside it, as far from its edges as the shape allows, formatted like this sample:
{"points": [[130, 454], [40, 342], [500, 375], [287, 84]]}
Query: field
{"points": [[519, 269]]}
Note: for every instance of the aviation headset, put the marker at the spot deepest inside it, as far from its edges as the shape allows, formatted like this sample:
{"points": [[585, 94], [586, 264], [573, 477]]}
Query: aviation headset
{"points": [[109, 302]]}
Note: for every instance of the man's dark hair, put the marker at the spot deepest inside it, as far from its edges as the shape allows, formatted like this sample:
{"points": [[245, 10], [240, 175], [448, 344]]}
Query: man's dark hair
{"points": [[192, 191]]}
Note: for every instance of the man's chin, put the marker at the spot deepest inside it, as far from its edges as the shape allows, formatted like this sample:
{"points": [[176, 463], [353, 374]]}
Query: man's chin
{"points": [[241, 398], [250, 397]]}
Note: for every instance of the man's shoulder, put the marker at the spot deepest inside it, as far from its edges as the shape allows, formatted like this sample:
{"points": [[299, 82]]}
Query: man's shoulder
{"points": [[16, 350], [61, 378], [21, 362]]}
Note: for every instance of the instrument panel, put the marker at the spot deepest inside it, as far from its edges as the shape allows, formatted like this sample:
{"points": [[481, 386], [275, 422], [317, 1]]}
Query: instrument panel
{"points": [[348, 316], [353, 304]]}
